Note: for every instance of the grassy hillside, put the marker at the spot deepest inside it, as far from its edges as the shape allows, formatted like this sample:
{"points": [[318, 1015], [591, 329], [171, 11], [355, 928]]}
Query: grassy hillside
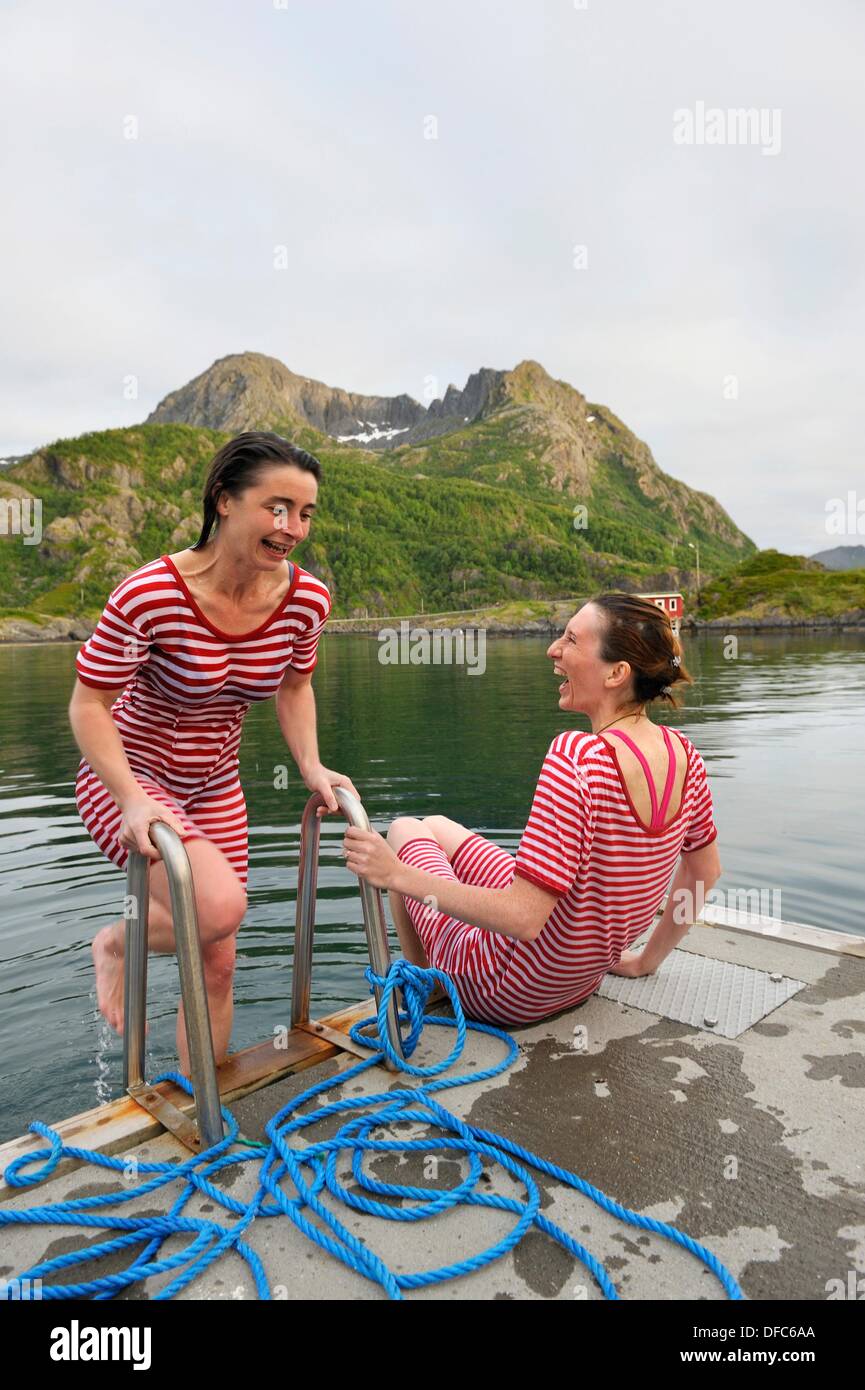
{"points": [[386, 541], [628, 498], [772, 585], [521, 430], [390, 540], [110, 501]]}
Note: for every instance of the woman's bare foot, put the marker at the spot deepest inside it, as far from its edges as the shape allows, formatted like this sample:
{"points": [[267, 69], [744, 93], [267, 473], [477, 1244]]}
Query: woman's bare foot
{"points": [[109, 976]]}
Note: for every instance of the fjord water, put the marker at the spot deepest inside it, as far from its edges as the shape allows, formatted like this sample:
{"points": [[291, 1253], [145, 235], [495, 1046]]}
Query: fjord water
{"points": [[779, 725]]}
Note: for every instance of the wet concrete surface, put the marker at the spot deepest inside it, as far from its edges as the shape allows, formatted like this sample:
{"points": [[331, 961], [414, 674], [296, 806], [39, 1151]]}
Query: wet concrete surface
{"points": [[754, 1147]]}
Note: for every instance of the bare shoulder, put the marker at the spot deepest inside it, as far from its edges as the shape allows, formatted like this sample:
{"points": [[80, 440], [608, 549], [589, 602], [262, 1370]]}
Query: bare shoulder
{"points": [[693, 755], [180, 559], [689, 747]]}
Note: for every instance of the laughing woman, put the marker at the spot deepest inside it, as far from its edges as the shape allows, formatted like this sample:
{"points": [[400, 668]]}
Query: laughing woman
{"points": [[523, 938], [183, 648]]}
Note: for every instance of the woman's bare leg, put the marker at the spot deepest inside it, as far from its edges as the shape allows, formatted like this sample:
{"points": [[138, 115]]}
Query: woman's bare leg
{"points": [[403, 829], [218, 960], [109, 947], [220, 905], [449, 834], [410, 942]]}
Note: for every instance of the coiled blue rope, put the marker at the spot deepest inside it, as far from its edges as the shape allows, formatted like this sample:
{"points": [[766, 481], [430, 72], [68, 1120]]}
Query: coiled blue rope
{"points": [[292, 1180]]}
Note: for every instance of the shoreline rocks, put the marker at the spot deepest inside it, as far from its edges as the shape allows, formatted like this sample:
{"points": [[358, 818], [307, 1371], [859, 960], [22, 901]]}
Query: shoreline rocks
{"points": [[25, 631]]}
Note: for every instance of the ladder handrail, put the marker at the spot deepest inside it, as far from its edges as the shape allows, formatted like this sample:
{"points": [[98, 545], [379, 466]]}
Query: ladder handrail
{"points": [[192, 986], [374, 921]]}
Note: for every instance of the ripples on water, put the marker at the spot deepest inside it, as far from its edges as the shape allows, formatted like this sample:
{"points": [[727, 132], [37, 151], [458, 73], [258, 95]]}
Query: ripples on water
{"points": [[779, 728]]}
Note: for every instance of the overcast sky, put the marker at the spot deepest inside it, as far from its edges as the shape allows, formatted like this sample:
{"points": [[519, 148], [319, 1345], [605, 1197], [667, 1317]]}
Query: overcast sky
{"points": [[430, 170]]}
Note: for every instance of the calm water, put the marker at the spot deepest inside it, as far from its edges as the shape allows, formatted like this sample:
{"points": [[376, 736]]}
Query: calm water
{"points": [[780, 729]]}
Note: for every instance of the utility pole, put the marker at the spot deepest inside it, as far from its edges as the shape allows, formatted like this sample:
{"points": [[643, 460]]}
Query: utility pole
{"points": [[697, 548]]}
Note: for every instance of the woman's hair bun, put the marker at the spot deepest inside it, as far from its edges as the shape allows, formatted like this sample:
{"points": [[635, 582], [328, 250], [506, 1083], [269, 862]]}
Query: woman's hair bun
{"points": [[637, 631]]}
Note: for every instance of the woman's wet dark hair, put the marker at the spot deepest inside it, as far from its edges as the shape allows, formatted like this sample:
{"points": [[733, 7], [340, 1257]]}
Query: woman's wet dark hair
{"points": [[239, 465], [636, 630]]}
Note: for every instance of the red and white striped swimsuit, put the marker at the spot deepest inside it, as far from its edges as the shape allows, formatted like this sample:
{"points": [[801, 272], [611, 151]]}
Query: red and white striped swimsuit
{"points": [[188, 686], [584, 842]]}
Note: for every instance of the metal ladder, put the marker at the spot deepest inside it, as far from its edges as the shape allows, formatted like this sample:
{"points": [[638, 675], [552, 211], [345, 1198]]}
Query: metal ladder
{"points": [[208, 1130], [209, 1127], [374, 924]]}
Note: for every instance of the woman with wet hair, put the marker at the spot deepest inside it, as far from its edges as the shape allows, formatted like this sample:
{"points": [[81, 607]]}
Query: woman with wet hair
{"points": [[616, 812], [183, 648]]}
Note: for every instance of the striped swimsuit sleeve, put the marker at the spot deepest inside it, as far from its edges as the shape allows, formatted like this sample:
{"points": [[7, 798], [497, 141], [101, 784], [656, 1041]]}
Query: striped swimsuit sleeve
{"points": [[119, 644], [316, 602], [553, 841], [701, 827]]}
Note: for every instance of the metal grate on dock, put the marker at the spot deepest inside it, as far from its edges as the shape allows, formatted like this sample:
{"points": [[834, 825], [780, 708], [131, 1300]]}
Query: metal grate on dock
{"points": [[715, 995]]}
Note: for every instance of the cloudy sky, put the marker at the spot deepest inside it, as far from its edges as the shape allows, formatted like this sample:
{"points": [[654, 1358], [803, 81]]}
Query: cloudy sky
{"points": [[432, 171]]}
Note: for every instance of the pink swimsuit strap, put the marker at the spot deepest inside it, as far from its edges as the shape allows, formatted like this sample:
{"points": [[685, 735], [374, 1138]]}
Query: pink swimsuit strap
{"points": [[658, 814]]}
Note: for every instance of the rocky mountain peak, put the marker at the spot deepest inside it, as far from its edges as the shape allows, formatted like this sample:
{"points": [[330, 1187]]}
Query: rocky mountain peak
{"points": [[250, 390]]}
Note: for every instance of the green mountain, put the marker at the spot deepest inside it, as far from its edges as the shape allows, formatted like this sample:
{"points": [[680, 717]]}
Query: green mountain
{"points": [[514, 487], [842, 557], [519, 429], [770, 585]]}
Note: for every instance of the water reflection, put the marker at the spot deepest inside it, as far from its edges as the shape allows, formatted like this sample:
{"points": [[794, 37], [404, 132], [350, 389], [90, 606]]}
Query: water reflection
{"points": [[779, 726]]}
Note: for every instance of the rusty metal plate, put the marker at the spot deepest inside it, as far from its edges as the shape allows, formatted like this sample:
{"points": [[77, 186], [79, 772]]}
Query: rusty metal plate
{"points": [[334, 1035], [183, 1127]]}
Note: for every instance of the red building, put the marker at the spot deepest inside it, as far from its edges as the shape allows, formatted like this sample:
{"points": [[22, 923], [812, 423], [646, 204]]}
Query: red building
{"points": [[672, 604]]}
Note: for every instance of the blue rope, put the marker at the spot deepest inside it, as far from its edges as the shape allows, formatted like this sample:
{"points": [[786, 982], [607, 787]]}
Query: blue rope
{"points": [[293, 1179]]}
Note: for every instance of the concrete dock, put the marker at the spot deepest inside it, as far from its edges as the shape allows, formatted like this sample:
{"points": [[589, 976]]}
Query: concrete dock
{"points": [[754, 1146]]}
